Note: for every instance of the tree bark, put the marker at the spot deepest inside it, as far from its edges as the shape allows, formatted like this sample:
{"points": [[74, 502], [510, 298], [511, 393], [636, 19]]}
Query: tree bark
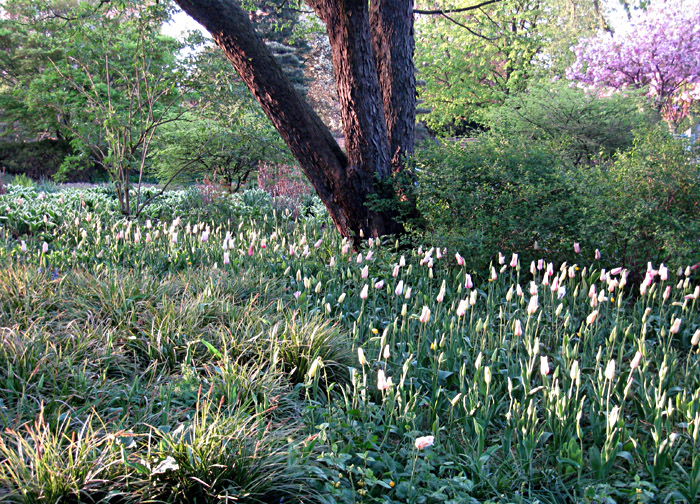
{"points": [[393, 43], [343, 182]]}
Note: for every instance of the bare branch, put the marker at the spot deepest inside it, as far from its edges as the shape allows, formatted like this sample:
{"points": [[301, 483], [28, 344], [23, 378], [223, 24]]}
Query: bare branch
{"points": [[453, 11]]}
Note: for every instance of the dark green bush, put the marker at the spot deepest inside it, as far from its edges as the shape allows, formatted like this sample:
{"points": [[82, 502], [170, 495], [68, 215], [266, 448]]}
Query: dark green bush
{"points": [[497, 194], [507, 194], [645, 206], [41, 160], [583, 127]]}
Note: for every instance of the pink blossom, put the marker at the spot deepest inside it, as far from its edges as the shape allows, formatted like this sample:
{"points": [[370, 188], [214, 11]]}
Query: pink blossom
{"points": [[424, 442], [460, 259], [597, 254], [577, 248], [250, 250], [365, 271], [379, 284], [514, 260]]}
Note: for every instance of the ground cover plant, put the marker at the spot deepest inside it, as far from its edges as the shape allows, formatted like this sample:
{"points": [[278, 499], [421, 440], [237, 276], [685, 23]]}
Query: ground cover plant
{"points": [[233, 350]]}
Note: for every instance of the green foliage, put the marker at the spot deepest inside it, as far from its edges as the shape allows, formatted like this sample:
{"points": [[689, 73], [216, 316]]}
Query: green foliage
{"points": [[225, 150], [497, 194], [475, 59], [646, 203], [584, 127], [181, 359], [40, 160]]}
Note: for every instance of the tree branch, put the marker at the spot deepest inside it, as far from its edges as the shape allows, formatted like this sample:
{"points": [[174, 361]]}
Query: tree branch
{"points": [[452, 11]]}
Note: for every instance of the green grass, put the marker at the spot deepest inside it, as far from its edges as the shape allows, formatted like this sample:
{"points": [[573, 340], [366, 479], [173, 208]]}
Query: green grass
{"points": [[136, 367]]}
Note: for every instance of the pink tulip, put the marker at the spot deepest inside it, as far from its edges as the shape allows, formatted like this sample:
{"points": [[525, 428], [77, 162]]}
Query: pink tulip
{"points": [[424, 442], [577, 248], [468, 281], [518, 330], [460, 259], [425, 315]]}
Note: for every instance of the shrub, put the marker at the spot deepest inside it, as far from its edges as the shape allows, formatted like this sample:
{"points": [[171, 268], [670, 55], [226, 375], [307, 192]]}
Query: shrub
{"points": [[582, 126], [41, 160], [497, 193], [646, 205]]}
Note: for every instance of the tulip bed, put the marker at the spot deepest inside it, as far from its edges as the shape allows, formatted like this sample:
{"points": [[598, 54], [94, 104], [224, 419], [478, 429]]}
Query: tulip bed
{"points": [[234, 351]]}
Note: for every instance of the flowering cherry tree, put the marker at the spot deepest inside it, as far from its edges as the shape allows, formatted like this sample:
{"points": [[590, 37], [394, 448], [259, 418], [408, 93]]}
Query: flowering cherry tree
{"points": [[660, 50]]}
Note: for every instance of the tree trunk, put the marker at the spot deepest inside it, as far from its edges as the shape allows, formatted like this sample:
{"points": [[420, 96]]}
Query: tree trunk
{"points": [[343, 182]]}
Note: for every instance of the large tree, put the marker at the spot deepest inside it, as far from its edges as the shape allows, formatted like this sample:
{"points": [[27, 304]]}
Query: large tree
{"points": [[372, 47]]}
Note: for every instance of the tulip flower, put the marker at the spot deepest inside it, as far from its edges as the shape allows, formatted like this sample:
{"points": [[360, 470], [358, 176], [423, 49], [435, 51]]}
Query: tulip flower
{"points": [[424, 442], [441, 294], [514, 260], [637, 358], [361, 357], [399, 288], [460, 259], [23, 246], [365, 271], [696, 338], [468, 281], [379, 284], [44, 248], [591, 317], [676, 326], [383, 383], [610, 370], [227, 258], [518, 329], [462, 307], [532, 305], [544, 365], [577, 248], [425, 315], [597, 254], [364, 292]]}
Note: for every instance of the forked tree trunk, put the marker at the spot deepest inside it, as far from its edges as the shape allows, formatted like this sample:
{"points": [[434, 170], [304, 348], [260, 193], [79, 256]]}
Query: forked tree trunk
{"points": [[377, 97]]}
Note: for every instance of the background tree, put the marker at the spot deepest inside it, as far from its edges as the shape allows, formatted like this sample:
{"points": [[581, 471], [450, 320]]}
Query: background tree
{"points": [[106, 80], [474, 58], [660, 53]]}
